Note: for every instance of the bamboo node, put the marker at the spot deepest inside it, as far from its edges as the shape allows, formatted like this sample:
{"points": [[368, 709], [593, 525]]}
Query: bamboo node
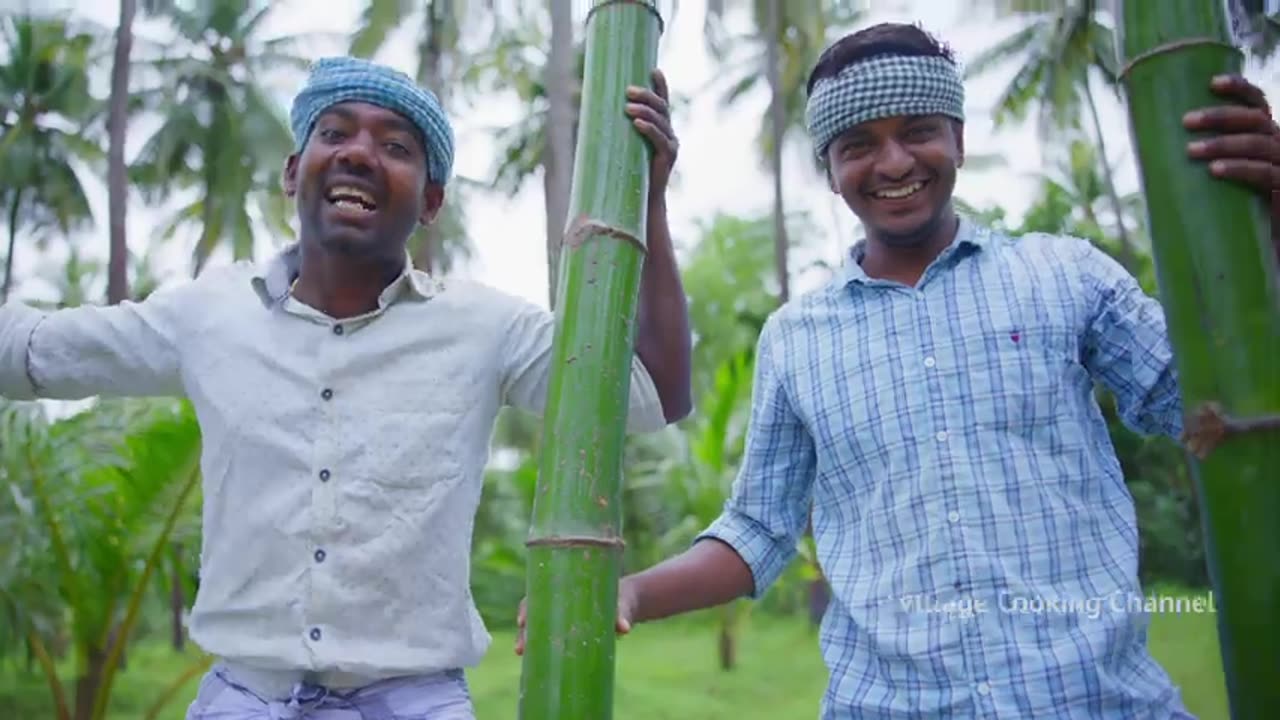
{"points": [[584, 227], [650, 6], [1209, 426], [572, 541], [1168, 48]]}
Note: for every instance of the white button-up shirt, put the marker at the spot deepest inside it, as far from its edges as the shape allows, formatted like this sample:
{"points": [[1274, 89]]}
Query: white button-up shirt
{"points": [[342, 460]]}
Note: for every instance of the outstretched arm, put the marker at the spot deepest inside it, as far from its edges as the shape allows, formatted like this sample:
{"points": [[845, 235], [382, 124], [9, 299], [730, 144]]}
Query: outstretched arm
{"points": [[76, 353]]}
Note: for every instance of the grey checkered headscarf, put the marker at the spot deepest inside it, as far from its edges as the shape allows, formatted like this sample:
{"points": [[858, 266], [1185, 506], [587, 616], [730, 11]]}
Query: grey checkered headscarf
{"points": [[880, 87]]}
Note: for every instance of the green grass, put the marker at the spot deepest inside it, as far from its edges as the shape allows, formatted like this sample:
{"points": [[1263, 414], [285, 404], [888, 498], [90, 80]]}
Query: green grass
{"points": [[665, 671]]}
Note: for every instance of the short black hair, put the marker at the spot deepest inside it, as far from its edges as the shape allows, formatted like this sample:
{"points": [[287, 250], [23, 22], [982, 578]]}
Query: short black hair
{"points": [[881, 39]]}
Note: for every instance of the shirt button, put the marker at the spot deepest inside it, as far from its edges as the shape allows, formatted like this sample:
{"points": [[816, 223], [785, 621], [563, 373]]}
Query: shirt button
{"points": [[942, 435], [984, 689], [315, 634], [326, 393], [930, 362], [954, 516], [324, 475], [320, 556], [337, 329]]}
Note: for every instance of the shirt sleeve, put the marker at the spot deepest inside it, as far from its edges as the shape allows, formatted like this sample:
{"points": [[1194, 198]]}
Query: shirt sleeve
{"points": [[1127, 346], [769, 504], [129, 349], [526, 365]]}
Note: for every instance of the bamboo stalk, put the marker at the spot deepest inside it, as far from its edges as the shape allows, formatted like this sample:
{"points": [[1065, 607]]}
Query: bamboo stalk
{"points": [[575, 538], [1218, 283]]}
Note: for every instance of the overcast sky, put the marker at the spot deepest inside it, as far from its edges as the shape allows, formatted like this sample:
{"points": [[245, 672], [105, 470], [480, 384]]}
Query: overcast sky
{"points": [[718, 169]]}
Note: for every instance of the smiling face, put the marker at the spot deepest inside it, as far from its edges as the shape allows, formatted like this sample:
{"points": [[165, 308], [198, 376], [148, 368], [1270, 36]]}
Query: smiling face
{"points": [[361, 182], [897, 175]]}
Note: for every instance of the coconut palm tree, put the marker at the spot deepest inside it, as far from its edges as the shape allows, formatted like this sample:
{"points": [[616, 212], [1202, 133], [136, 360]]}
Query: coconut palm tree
{"points": [[1064, 48], [440, 25], [94, 500], [785, 41], [47, 116], [223, 135]]}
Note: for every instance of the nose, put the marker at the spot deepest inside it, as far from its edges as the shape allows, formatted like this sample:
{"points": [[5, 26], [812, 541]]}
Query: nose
{"points": [[893, 162], [356, 153]]}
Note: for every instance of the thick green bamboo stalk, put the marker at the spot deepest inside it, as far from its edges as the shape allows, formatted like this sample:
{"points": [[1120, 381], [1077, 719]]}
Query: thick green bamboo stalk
{"points": [[1218, 284], [575, 540]]}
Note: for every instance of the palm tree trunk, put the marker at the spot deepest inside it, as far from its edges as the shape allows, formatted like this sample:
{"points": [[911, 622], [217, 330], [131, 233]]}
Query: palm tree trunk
{"points": [[777, 130], [13, 244], [575, 540], [117, 182], [1127, 255], [1218, 281], [429, 242], [557, 164]]}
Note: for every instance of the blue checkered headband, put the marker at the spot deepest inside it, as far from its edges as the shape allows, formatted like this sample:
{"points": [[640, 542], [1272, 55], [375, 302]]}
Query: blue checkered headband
{"points": [[346, 79], [880, 87]]}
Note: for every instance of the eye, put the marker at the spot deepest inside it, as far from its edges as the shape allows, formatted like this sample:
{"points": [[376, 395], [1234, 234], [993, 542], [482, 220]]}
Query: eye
{"points": [[920, 132], [329, 134], [854, 146], [397, 148]]}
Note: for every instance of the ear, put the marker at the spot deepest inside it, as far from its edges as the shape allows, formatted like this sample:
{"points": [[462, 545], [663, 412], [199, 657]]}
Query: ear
{"points": [[957, 128], [831, 179], [432, 201], [290, 179]]}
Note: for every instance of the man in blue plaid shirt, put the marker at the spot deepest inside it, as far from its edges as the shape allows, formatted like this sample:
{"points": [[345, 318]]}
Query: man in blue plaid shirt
{"points": [[934, 406]]}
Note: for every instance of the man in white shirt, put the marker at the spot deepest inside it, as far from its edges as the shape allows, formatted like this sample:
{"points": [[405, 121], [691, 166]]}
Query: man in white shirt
{"points": [[346, 402]]}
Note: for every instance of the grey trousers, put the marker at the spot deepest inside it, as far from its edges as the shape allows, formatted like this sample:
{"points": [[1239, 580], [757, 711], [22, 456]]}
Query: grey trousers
{"points": [[442, 696]]}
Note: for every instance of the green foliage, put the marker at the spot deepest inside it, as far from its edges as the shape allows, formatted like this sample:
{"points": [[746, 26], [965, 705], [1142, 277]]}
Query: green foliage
{"points": [[45, 110], [221, 133], [806, 27], [95, 498]]}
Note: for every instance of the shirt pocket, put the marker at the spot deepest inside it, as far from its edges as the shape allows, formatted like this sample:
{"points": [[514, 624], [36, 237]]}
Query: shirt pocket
{"points": [[1015, 376], [407, 445]]}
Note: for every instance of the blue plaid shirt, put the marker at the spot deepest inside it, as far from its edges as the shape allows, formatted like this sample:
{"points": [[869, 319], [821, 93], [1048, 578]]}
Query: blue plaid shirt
{"points": [[969, 511]]}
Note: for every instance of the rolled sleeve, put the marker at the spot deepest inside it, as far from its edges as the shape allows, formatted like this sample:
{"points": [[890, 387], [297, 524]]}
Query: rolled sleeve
{"points": [[644, 411], [765, 554], [18, 323], [768, 507]]}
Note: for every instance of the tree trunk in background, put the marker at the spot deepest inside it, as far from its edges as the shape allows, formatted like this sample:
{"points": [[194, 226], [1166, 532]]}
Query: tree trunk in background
{"points": [[1218, 284], [557, 164], [575, 540], [428, 242], [117, 179], [1128, 256], [14, 206], [777, 129]]}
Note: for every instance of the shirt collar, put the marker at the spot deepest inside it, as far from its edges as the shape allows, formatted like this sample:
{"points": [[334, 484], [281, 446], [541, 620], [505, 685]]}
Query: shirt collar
{"points": [[274, 279], [969, 235]]}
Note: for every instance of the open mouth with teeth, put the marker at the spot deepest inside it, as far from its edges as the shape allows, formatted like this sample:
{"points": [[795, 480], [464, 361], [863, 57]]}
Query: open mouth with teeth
{"points": [[900, 193], [345, 197]]}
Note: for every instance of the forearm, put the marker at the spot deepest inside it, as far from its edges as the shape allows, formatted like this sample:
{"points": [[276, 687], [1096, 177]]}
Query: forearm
{"points": [[706, 575], [663, 338]]}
